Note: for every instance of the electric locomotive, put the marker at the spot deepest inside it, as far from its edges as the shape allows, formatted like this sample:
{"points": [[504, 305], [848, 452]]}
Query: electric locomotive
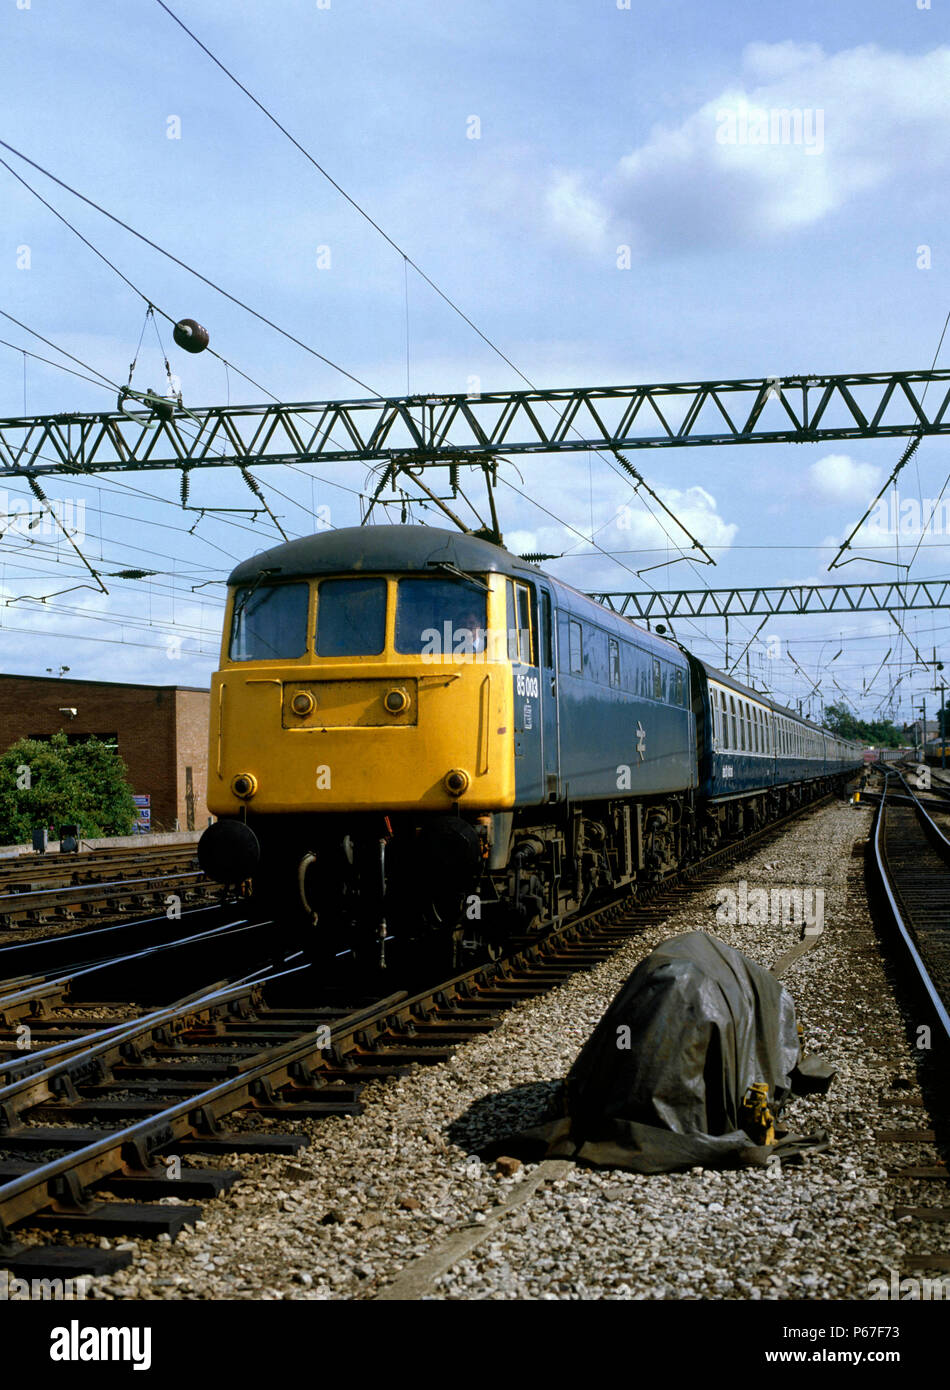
{"points": [[414, 732]]}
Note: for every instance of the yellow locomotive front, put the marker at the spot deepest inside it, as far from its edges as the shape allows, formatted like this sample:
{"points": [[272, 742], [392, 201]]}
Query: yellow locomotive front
{"points": [[361, 724], [362, 693]]}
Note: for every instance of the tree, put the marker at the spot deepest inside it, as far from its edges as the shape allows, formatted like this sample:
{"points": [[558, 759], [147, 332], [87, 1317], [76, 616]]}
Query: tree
{"points": [[53, 782], [879, 733]]}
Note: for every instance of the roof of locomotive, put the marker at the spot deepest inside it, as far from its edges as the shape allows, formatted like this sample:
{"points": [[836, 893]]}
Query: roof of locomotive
{"points": [[373, 549]]}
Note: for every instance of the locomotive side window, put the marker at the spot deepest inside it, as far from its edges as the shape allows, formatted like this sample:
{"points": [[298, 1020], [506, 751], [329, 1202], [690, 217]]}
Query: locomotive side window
{"points": [[596, 662], [270, 621], [351, 617], [520, 630], [614, 661], [657, 679], [577, 649], [679, 688], [547, 642], [440, 616]]}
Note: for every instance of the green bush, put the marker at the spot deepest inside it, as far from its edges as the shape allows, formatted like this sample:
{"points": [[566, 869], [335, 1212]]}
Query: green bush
{"points": [[53, 782]]}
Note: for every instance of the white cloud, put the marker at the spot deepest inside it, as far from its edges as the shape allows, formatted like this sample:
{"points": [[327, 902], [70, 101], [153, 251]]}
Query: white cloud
{"points": [[576, 213], [840, 478], [795, 138]]}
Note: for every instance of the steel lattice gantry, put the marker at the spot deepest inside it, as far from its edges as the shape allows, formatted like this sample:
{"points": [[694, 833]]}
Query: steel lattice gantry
{"points": [[420, 430], [791, 598]]}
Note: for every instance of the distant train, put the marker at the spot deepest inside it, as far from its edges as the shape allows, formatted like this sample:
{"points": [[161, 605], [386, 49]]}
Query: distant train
{"points": [[886, 755], [937, 753], [414, 731]]}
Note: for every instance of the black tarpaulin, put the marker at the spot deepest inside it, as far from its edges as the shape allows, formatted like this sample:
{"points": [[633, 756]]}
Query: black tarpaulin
{"points": [[660, 1083]]}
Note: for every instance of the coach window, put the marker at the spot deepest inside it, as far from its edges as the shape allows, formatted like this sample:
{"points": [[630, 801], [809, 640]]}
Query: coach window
{"points": [[577, 649], [270, 622], [733, 732], [613, 661], [520, 644]]}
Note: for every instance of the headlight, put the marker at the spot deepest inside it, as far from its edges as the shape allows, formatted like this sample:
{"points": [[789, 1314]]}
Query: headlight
{"points": [[456, 781]]}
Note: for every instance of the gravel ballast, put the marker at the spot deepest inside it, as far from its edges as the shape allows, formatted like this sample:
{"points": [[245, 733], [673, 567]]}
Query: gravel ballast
{"points": [[373, 1192]]}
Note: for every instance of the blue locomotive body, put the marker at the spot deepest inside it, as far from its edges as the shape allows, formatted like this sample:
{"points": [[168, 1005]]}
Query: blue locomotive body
{"points": [[614, 709], [407, 720]]}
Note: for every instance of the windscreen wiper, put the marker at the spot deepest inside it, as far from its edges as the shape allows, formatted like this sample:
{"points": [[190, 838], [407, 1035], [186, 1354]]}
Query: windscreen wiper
{"points": [[242, 602], [459, 574]]}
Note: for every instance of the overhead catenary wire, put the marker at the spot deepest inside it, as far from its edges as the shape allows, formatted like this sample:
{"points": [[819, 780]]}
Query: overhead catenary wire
{"points": [[185, 266], [406, 258]]}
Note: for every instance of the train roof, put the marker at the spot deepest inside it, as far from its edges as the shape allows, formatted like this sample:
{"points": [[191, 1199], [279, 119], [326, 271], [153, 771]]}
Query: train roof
{"points": [[375, 548], [732, 684]]}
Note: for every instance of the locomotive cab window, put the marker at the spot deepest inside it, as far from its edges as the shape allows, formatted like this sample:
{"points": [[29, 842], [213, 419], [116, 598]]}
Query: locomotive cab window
{"points": [[269, 622], [351, 617], [440, 617], [520, 627]]}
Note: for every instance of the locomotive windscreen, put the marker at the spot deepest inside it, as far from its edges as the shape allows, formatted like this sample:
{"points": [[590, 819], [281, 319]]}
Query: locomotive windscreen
{"points": [[351, 617], [269, 622], [440, 615]]}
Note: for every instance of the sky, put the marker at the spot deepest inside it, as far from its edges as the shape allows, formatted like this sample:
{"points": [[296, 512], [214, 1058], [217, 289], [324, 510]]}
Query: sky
{"points": [[583, 179]]}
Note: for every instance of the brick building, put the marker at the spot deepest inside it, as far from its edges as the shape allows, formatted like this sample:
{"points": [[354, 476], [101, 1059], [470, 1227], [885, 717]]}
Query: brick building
{"points": [[160, 732]]}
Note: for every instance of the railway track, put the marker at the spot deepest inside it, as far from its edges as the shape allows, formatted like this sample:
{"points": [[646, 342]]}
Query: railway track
{"points": [[909, 868], [99, 886], [91, 1119]]}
